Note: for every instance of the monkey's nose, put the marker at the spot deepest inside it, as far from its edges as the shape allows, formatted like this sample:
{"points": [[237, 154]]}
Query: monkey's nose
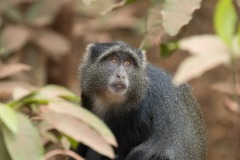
{"points": [[120, 76]]}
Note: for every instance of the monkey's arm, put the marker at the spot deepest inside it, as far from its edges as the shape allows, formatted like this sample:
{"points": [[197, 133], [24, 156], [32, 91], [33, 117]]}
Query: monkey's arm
{"points": [[177, 129], [148, 151], [87, 153]]}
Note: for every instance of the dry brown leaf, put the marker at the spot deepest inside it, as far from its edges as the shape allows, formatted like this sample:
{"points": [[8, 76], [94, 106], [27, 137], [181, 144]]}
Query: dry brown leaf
{"points": [[53, 43], [204, 44], [177, 14], [98, 37], [232, 106], [7, 70], [85, 116], [225, 87], [1, 20], [80, 131], [7, 87], [208, 52], [92, 10], [63, 152], [195, 66], [88, 2], [14, 37], [123, 18], [20, 92], [154, 28], [42, 13], [113, 7]]}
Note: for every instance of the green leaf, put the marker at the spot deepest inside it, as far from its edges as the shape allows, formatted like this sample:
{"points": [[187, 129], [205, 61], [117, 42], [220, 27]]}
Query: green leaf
{"points": [[166, 50], [131, 1], [177, 13], [8, 117], [29, 98], [26, 144], [236, 46], [45, 95], [225, 19], [58, 91], [4, 155], [74, 143]]}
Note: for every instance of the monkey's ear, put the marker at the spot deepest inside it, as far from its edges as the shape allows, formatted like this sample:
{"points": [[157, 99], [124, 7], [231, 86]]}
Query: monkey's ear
{"points": [[144, 58], [87, 54], [144, 54]]}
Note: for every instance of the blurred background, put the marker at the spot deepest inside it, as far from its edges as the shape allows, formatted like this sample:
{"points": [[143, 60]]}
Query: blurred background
{"points": [[44, 41]]}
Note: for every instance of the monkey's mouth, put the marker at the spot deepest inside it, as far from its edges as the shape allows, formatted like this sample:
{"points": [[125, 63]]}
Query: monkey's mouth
{"points": [[118, 88]]}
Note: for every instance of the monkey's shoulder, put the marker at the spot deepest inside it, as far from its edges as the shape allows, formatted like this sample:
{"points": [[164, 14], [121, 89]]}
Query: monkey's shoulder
{"points": [[162, 92], [161, 80]]}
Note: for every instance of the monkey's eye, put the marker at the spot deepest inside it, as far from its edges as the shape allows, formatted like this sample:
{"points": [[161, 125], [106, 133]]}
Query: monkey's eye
{"points": [[114, 60], [127, 63]]}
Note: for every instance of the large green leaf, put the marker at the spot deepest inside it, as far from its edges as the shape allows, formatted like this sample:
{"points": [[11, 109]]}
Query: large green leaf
{"points": [[26, 144], [225, 19], [177, 13], [8, 117]]}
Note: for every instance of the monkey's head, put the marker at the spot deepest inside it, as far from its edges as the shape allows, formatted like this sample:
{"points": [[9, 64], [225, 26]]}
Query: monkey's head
{"points": [[113, 74]]}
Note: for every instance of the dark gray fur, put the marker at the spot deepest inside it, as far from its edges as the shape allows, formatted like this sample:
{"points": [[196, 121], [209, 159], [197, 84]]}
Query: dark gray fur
{"points": [[158, 121]]}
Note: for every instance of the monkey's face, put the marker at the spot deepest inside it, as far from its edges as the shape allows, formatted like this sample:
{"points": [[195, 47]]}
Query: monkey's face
{"points": [[113, 73], [119, 67]]}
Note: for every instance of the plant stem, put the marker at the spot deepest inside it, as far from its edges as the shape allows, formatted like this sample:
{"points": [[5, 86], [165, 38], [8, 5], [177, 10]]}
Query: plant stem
{"points": [[234, 69]]}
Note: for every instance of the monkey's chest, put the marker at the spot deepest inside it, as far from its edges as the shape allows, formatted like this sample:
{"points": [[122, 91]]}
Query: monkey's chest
{"points": [[130, 130]]}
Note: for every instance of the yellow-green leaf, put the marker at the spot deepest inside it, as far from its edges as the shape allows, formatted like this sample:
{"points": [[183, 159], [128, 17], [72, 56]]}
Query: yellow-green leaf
{"points": [[58, 91], [225, 19], [8, 117], [4, 155], [26, 144]]}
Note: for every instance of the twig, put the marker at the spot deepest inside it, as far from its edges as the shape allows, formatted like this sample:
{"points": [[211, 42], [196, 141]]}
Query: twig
{"points": [[113, 7]]}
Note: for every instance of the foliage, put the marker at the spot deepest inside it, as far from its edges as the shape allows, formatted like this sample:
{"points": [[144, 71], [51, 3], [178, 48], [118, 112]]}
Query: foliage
{"points": [[37, 47], [209, 51], [166, 17], [49, 109]]}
